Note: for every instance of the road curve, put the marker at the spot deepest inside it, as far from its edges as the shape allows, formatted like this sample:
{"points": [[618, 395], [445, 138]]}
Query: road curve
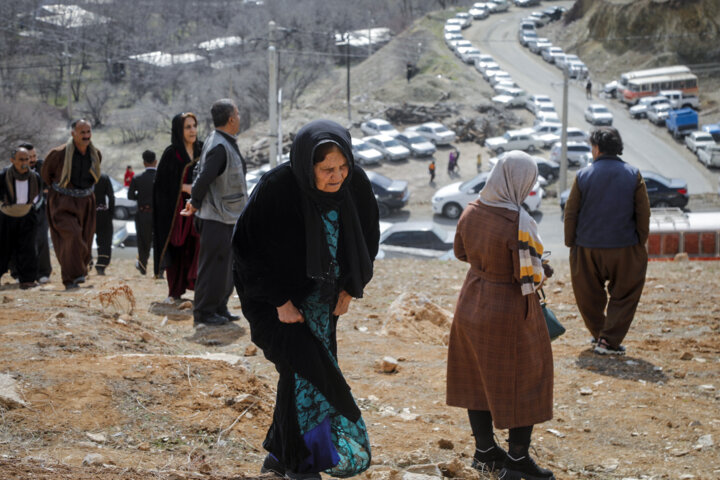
{"points": [[646, 146]]}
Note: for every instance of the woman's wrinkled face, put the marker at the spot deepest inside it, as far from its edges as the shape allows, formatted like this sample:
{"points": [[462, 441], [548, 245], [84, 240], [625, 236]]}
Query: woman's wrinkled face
{"points": [[190, 130], [331, 172]]}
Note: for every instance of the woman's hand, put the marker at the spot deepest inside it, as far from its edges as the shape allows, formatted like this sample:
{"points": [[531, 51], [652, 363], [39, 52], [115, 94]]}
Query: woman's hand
{"points": [[187, 188], [188, 210], [288, 313], [342, 304]]}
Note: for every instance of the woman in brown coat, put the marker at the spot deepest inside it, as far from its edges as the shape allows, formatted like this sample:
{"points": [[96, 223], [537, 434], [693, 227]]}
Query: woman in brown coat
{"points": [[500, 365]]}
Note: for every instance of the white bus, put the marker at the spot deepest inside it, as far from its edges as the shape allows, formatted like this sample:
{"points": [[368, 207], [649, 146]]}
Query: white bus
{"points": [[642, 87], [626, 77]]}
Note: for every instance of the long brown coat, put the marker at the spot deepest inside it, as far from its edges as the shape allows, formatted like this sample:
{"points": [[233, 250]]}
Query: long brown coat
{"points": [[499, 357]]}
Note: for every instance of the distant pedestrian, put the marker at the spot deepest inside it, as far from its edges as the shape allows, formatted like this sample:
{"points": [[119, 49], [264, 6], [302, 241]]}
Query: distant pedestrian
{"points": [[409, 71], [141, 190], [104, 208], [479, 162], [129, 174], [607, 222], [70, 171], [588, 88], [431, 171], [19, 193], [453, 158]]}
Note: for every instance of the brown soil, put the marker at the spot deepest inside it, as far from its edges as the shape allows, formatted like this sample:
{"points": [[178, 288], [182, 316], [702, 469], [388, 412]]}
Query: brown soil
{"points": [[135, 389]]}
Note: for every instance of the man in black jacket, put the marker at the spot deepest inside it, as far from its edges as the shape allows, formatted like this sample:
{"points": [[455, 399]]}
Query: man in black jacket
{"points": [[42, 243], [105, 201], [141, 189]]}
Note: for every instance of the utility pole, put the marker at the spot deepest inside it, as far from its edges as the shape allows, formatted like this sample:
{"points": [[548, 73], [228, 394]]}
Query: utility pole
{"points": [[347, 64], [279, 124], [272, 94], [69, 84], [563, 138]]}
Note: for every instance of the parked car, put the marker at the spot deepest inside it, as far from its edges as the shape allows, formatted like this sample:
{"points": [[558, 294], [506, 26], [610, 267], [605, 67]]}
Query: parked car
{"points": [[534, 101], [550, 53], [547, 133], [554, 13], [546, 113], [710, 155], [536, 44], [479, 13], [699, 139], [125, 209], [391, 148], [499, 76], [499, 6], [465, 17], [125, 236], [378, 126], [663, 192], [577, 69], [450, 28], [390, 194], [455, 44], [527, 3], [541, 18], [526, 26], [513, 97], [549, 170], [449, 37], [514, 140], [658, 113], [364, 153], [504, 85], [469, 54], [450, 200], [639, 110], [436, 132], [418, 145], [486, 69], [417, 239], [597, 114], [576, 153], [526, 36], [562, 62]]}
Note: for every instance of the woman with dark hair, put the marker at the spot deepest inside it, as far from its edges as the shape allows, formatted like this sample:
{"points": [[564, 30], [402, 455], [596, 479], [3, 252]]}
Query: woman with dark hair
{"points": [[304, 247], [500, 365], [175, 241]]}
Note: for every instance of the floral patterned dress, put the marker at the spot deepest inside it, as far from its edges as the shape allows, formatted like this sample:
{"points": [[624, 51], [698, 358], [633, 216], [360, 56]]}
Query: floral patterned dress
{"points": [[338, 446]]}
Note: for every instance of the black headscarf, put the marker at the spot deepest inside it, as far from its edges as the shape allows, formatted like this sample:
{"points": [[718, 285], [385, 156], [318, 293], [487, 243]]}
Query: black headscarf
{"points": [[315, 202]]}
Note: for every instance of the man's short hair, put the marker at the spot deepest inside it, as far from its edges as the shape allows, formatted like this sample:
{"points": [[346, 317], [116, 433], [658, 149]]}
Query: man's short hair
{"points": [[221, 111], [27, 146], [148, 157], [76, 121], [608, 140], [15, 151]]}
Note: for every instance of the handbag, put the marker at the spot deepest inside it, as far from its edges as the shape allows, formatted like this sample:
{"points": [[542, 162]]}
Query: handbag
{"points": [[555, 328]]}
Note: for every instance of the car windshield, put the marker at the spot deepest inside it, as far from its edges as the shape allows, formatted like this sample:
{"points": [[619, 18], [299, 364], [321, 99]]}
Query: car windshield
{"points": [[416, 139], [600, 110], [384, 127], [547, 108], [441, 129], [363, 147], [469, 183], [662, 107], [704, 138], [391, 143]]}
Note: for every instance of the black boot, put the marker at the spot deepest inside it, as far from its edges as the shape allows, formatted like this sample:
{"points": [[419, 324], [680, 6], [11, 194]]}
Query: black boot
{"points": [[272, 464], [523, 467], [490, 460]]}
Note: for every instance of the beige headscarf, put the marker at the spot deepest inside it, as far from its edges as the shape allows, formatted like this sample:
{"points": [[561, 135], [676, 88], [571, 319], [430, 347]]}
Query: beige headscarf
{"points": [[67, 164], [510, 182]]}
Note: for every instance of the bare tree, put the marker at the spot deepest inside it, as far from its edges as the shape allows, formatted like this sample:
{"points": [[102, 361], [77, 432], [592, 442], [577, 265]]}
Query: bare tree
{"points": [[96, 102]]}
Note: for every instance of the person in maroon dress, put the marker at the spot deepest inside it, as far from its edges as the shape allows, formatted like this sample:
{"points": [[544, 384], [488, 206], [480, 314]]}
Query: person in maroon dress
{"points": [[175, 239]]}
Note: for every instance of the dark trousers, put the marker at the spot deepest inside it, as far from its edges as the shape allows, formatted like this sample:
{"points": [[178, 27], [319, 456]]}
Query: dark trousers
{"points": [[144, 231], [624, 271], [214, 281], [104, 233], [42, 244], [17, 241]]}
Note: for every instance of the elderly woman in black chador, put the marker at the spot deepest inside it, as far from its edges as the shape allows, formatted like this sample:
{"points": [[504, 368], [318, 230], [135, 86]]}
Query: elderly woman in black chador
{"points": [[303, 247], [175, 240]]}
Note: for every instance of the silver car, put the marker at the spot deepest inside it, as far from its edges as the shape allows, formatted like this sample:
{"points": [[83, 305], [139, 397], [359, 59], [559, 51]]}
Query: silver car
{"points": [[391, 148], [416, 143]]}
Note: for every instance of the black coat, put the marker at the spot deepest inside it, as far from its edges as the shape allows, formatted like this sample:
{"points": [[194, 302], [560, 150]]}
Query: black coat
{"points": [[269, 269], [141, 188]]}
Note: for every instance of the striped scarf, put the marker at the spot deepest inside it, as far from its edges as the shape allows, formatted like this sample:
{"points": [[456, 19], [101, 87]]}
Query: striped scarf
{"points": [[510, 181]]}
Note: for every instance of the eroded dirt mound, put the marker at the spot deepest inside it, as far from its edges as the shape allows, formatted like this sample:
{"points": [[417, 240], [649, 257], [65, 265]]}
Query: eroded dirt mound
{"points": [[415, 316]]}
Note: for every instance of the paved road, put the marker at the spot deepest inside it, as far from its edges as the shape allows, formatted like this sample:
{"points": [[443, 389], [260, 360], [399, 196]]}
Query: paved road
{"points": [[646, 146]]}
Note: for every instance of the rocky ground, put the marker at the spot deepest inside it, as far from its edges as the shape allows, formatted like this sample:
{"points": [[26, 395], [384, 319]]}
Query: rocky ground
{"points": [[105, 389]]}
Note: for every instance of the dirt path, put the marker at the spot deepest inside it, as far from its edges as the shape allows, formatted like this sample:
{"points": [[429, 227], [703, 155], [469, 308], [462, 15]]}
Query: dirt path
{"points": [[156, 399]]}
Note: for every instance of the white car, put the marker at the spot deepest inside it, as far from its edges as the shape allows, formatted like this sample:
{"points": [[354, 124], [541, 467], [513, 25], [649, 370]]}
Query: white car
{"points": [[577, 69], [449, 37], [503, 86], [451, 200], [658, 113], [535, 46], [364, 153], [468, 54], [391, 148], [597, 114], [378, 126], [562, 61], [514, 140], [710, 156], [125, 209], [551, 53], [418, 145], [479, 13], [547, 133], [498, 5], [698, 140], [455, 44], [546, 112], [513, 97], [436, 132], [534, 101], [639, 110], [452, 28], [499, 76], [466, 19], [577, 153], [486, 69]]}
